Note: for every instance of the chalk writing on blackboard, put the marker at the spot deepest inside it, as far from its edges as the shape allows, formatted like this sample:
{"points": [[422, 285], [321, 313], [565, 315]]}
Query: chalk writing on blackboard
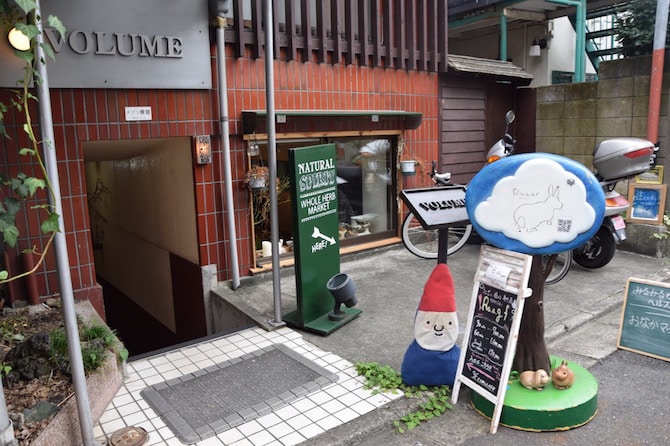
{"points": [[489, 336], [645, 203], [645, 322], [489, 341]]}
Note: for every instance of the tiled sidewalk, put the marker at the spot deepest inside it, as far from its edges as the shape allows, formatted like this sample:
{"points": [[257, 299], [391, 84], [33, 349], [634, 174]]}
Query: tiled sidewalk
{"points": [[305, 418]]}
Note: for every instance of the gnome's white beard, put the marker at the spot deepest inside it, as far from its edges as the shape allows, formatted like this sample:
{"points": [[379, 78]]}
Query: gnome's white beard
{"points": [[436, 330]]}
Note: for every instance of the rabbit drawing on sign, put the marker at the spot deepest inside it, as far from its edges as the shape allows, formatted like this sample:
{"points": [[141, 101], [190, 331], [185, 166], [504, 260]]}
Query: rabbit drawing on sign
{"points": [[530, 216]]}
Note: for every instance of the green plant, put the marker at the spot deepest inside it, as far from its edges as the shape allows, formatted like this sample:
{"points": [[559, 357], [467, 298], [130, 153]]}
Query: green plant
{"points": [[635, 27], [262, 204], [386, 379], [96, 340], [666, 224], [18, 188], [4, 369], [97, 200]]}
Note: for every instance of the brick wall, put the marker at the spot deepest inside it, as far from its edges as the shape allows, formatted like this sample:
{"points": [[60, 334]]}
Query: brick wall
{"points": [[98, 115]]}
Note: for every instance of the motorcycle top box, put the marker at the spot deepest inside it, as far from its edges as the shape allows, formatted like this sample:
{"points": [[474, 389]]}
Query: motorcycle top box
{"points": [[622, 157]]}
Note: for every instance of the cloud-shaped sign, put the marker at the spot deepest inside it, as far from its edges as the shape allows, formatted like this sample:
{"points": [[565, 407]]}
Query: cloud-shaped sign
{"points": [[536, 201]]}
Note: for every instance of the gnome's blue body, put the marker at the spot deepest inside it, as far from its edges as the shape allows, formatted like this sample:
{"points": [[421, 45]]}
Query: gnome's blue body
{"points": [[432, 358], [429, 367]]}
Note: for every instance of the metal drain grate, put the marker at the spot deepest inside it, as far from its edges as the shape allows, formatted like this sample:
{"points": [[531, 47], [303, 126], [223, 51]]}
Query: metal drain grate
{"points": [[210, 401]]}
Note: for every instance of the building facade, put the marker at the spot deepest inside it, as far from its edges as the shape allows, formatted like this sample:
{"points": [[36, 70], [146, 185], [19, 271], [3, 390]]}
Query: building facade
{"points": [[145, 211]]}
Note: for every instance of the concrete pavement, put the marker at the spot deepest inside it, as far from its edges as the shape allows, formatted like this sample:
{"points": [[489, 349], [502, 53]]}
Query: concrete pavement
{"points": [[582, 315]]}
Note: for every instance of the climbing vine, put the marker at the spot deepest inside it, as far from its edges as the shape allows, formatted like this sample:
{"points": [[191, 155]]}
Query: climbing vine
{"points": [[18, 188]]}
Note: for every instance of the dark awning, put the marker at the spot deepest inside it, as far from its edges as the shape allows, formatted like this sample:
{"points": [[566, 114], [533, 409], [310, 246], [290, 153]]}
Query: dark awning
{"points": [[251, 118]]}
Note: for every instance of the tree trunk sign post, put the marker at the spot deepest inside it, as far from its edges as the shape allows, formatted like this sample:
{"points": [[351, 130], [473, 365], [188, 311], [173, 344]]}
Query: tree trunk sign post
{"points": [[535, 204], [316, 244]]}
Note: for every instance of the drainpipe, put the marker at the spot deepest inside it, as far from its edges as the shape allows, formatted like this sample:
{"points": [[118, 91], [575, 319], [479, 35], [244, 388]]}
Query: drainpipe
{"points": [[222, 8], [503, 36], [272, 160], [657, 60], [60, 243], [580, 29]]}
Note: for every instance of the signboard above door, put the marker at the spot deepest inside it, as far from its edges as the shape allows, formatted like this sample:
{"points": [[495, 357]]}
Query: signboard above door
{"points": [[123, 44]]}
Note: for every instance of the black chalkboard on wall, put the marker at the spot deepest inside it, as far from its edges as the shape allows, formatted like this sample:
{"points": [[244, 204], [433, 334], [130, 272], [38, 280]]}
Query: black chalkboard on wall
{"points": [[645, 318]]}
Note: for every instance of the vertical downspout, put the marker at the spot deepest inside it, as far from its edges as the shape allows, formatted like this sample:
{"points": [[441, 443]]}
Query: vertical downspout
{"points": [[503, 36], [272, 160], [580, 30], [60, 243], [580, 45], [657, 61], [225, 140]]}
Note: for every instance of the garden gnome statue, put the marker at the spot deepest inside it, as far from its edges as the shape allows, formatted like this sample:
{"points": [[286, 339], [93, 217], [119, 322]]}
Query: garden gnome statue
{"points": [[432, 358]]}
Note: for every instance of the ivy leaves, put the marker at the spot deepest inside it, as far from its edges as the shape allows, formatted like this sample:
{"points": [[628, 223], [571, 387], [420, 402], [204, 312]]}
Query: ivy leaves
{"points": [[23, 187], [18, 189], [386, 379]]}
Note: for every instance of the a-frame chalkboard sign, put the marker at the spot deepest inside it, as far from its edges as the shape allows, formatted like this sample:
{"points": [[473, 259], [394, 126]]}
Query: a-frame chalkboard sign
{"points": [[489, 343], [645, 319]]}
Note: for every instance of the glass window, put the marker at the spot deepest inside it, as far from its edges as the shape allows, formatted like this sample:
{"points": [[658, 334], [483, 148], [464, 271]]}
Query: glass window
{"points": [[365, 175], [366, 190]]}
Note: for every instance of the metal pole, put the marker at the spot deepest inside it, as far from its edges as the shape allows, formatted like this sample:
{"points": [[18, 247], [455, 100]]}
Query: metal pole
{"points": [[503, 36], [6, 427], [225, 140], [442, 244], [60, 243], [580, 30], [657, 60], [272, 161]]}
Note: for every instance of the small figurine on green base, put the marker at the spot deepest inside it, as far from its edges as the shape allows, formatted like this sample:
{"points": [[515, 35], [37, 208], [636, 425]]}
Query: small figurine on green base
{"points": [[536, 379], [562, 376]]}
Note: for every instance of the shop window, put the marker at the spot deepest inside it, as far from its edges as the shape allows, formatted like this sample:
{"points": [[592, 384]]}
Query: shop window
{"points": [[367, 187]]}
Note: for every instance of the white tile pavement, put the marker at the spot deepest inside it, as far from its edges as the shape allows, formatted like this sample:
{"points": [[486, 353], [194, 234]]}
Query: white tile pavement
{"points": [[295, 423]]}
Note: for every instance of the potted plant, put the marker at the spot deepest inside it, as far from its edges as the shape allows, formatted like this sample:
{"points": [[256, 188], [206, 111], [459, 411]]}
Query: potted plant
{"points": [[257, 178], [408, 163]]}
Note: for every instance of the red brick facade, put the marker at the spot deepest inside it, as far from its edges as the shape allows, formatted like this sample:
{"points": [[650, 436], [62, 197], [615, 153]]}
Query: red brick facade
{"points": [[95, 115]]}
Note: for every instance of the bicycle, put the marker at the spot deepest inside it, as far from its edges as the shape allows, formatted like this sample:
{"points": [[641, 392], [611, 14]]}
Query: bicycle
{"points": [[424, 242], [561, 266]]}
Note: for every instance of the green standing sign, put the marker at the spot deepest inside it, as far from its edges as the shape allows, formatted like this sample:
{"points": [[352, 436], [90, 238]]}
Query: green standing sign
{"points": [[316, 244], [645, 321]]}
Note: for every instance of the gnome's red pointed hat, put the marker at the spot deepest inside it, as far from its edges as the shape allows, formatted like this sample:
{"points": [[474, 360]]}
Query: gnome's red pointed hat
{"points": [[438, 293]]}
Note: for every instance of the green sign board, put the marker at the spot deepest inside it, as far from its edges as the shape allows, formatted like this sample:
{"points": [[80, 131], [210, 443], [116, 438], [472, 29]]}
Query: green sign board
{"points": [[645, 322], [316, 244]]}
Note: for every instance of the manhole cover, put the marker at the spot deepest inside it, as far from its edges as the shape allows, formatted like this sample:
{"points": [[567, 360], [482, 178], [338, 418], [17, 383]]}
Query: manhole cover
{"points": [[129, 436]]}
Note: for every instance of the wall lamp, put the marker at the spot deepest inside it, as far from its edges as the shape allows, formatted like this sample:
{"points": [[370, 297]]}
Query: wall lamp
{"points": [[538, 44], [18, 40], [203, 149]]}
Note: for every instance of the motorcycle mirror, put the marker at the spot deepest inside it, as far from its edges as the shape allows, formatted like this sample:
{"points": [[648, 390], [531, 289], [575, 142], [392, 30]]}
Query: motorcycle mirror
{"points": [[509, 117]]}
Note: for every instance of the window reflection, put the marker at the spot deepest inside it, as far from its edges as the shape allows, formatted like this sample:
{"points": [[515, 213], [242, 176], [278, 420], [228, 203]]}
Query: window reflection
{"points": [[365, 185], [366, 190]]}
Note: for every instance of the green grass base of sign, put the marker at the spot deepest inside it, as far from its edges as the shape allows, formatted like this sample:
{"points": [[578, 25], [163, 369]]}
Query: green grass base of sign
{"points": [[549, 409], [321, 325]]}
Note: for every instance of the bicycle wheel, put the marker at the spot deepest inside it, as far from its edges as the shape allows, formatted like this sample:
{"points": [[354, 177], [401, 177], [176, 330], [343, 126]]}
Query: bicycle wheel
{"points": [[561, 266], [424, 242]]}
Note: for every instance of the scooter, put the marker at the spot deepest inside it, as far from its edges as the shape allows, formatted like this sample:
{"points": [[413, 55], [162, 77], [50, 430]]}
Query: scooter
{"points": [[614, 160], [504, 147]]}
